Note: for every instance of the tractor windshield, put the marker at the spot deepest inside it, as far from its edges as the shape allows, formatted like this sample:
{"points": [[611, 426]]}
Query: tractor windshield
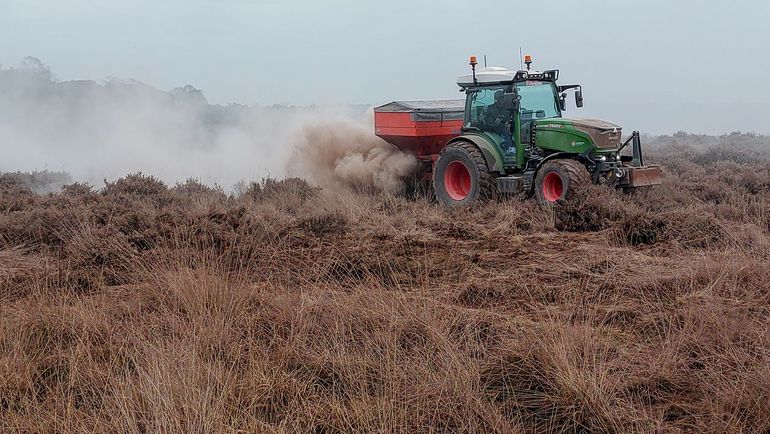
{"points": [[538, 100]]}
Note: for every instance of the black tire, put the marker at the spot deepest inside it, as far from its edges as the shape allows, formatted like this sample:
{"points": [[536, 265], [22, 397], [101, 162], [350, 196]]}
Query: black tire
{"points": [[558, 180], [461, 176]]}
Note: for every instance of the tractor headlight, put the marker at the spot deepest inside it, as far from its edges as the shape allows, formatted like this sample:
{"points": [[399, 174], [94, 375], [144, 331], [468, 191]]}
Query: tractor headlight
{"points": [[602, 158]]}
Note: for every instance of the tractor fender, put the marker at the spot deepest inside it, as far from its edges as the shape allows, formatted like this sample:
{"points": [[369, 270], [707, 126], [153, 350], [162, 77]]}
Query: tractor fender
{"points": [[490, 152], [553, 157]]}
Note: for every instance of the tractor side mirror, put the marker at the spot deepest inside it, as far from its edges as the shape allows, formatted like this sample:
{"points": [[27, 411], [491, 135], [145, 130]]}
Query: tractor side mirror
{"points": [[563, 101], [579, 97], [511, 101]]}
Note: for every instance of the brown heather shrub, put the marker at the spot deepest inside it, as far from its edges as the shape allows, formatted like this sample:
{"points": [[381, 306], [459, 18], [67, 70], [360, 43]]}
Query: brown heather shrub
{"points": [[694, 230], [135, 184], [39, 182], [14, 197], [193, 187], [285, 308], [322, 225], [591, 209], [639, 228], [273, 189]]}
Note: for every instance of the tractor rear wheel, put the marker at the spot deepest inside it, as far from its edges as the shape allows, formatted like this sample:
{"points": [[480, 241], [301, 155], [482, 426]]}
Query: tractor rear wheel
{"points": [[461, 176], [557, 180]]}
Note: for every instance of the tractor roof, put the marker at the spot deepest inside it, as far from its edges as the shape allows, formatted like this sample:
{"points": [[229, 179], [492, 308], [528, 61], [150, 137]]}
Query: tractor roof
{"points": [[495, 75]]}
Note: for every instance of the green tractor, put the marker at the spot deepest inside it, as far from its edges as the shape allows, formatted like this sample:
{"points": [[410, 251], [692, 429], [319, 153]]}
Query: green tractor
{"points": [[509, 136]]}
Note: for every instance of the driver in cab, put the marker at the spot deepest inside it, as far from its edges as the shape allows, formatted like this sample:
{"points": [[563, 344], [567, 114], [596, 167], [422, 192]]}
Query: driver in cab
{"points": [[498, 119]]}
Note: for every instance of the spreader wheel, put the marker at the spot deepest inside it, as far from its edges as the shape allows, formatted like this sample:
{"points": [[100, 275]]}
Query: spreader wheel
{"points": [[461, 176], [557, 180]]}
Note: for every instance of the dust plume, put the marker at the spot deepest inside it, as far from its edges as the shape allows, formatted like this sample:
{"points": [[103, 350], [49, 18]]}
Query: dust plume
{"points": [[104, 130], [343, 151]]}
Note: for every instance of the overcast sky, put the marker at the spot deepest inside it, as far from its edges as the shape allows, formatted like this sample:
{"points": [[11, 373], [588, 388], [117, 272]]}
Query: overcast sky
{"points": [[654, 65]]}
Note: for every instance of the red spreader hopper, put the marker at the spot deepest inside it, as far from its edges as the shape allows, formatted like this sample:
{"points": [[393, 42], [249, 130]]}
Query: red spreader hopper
{"points": [[421, 128]]}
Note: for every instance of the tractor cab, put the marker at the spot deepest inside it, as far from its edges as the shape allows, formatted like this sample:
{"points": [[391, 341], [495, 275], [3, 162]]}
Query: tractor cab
{"points": [[504, 105]]}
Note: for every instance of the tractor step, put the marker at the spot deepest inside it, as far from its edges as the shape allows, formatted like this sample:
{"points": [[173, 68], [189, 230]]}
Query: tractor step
{"points": [[510, 184]]}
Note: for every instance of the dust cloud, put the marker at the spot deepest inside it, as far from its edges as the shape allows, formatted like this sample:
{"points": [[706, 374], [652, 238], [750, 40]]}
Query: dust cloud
{"points": [[104, 130], [342, 151]]}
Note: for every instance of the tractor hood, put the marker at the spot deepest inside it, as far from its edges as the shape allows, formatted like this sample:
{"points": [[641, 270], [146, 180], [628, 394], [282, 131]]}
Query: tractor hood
{"points": [[603, 135], [593, 123]]}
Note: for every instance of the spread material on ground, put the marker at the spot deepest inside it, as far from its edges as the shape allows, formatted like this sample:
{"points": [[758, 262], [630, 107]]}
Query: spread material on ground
{"points": [[142, 307]]}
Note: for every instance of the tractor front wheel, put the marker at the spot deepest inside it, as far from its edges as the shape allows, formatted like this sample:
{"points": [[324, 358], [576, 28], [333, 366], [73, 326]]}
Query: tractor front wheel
{"points": [[557, 180], [461, 176]]}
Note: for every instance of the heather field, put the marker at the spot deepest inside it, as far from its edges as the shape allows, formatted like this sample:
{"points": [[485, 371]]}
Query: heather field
{"points": [[140, 307]]}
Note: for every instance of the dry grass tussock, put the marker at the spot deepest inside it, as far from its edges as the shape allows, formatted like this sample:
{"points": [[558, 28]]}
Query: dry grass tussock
{"points": [[140, 307]]}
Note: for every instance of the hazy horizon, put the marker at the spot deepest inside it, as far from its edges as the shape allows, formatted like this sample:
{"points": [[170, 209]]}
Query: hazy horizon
{"points": [[658, 67]]}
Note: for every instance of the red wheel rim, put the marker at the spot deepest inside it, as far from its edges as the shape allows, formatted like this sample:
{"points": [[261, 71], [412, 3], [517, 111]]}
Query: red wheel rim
{"points": [[457, 180], [553, 187]]}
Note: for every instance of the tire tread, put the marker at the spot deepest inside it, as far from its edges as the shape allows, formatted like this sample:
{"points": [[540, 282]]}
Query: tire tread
{"points": [[487, 181], [577, 173]]}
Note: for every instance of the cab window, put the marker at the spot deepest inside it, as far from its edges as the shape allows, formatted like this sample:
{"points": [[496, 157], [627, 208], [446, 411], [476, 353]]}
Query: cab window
{"points": [[481, 105]]}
